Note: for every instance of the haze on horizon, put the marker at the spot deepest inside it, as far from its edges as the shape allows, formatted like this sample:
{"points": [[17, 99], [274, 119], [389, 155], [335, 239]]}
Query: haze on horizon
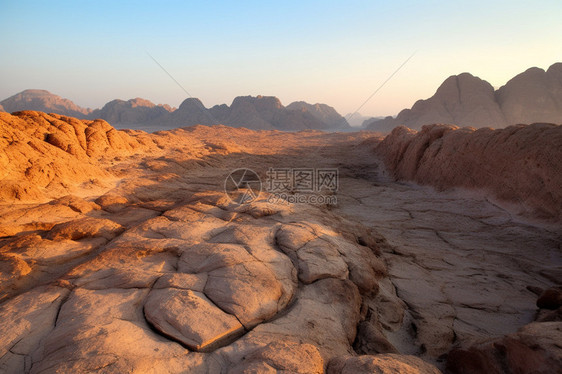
{"points": [[327, 52]]}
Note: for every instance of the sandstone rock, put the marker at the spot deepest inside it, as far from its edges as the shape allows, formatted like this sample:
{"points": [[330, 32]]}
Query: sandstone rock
{"points": [[546, 315], [12, 270], [325, 314], [25, 321], [250, 291], [85, 228], [293, 237], [533, 349], [380, 364], [106, 330], [50, 154], [76, 203], [286, 356], [38, 251], [190, 318], [319, 259], [183, 281], [371, 340], [112, 203], [365, 269], [550, 298], [447, 157], [259, 287]]}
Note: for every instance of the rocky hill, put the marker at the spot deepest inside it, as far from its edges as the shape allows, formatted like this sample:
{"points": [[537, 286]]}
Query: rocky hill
{"points": [[134, 111], [45, 155], [466, 100], [533, 96], [43, 101], [322, 112], [519, 164]]}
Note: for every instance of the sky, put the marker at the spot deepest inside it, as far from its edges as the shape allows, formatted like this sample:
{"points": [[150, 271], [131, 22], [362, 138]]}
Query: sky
{"points": [[333, 52]]}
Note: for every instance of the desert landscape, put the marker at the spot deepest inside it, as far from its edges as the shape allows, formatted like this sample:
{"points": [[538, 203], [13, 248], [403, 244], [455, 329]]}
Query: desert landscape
{"points": [[281, 187], [122, 251]]}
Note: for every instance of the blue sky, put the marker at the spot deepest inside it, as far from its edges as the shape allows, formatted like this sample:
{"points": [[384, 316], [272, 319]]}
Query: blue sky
{"points": [[333, 52]]}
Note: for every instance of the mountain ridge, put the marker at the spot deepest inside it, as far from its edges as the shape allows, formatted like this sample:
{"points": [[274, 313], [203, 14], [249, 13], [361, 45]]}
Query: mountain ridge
{"points": [[254, 112], [534, 95]]}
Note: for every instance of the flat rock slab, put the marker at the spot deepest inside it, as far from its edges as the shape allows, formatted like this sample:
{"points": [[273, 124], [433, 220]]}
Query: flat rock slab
{"points": [[190, 318]]}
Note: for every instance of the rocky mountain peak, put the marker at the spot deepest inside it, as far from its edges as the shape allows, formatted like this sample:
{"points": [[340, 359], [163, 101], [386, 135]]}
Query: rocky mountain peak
{"points": [[44, 101], [322, 112], [466, 100], [260, 103], [533, 96], [192, 103], [140, 102]]}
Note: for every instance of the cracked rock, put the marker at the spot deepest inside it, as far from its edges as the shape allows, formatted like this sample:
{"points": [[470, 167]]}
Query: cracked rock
{"points": [[190, 318]]}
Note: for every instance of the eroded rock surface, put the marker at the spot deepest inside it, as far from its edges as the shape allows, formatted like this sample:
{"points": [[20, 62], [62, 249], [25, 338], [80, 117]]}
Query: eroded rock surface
{"points": [[159, 271], [518, 164]]}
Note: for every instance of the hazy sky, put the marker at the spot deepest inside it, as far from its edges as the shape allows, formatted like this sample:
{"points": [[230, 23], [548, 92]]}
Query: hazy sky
{"points": [[333, 52]]}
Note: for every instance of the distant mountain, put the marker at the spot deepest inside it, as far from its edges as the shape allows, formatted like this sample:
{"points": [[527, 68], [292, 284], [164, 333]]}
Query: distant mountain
{"points": [[258, 112], [261, 112], [368, 120], [533, 96], [43, 101], [322, 112], [190, 112], [134, 111], [357, 119], [466, 100]]}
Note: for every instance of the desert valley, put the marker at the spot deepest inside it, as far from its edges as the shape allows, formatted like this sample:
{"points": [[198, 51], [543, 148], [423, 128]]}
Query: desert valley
{"points": [[428, 248]]}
